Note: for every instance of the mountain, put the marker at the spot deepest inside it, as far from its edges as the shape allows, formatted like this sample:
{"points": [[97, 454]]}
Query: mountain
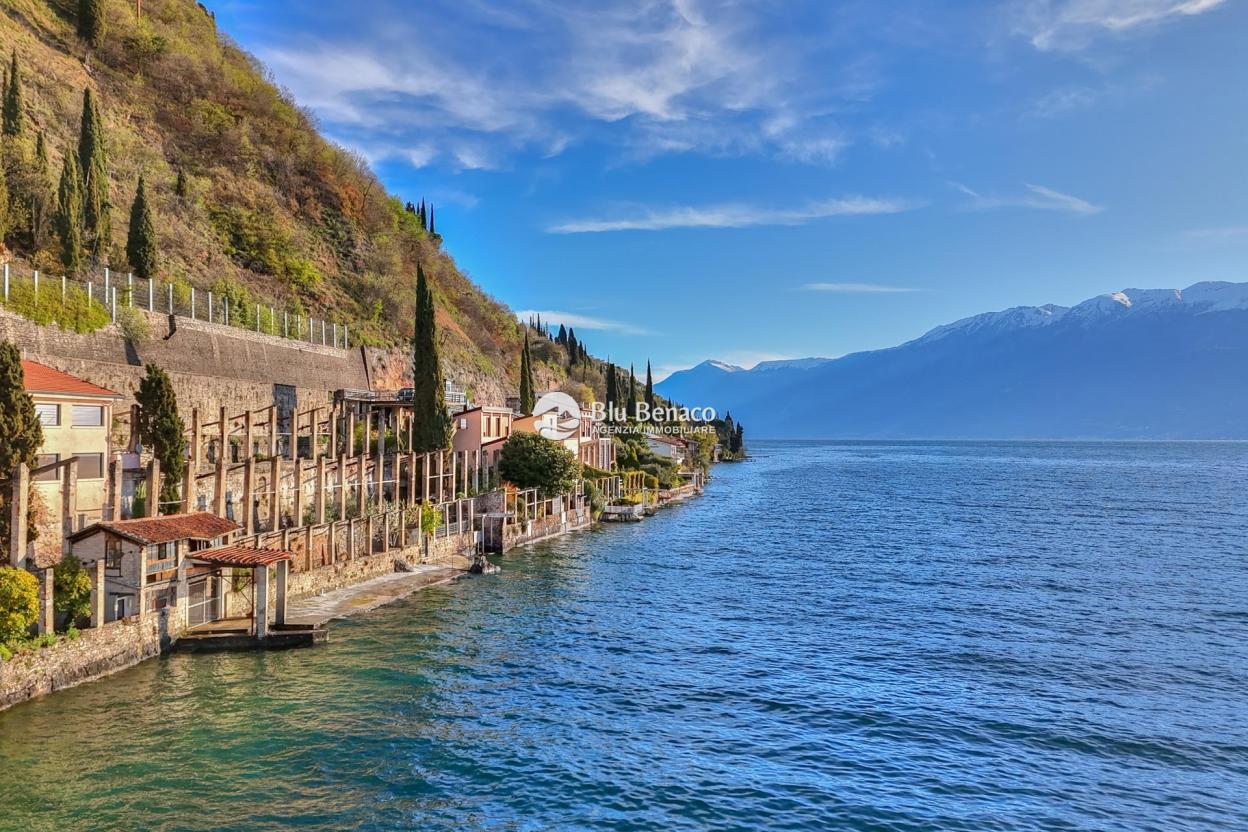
{"points": [[1135, 364], [268, 211]]}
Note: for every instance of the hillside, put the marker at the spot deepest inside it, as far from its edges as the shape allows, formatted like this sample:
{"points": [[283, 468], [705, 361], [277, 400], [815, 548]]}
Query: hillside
{"points": [[1135, 364], [270, 212]]}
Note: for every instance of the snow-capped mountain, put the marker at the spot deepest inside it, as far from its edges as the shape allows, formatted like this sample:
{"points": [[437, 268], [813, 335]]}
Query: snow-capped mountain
{"points": [[1140, 363]]}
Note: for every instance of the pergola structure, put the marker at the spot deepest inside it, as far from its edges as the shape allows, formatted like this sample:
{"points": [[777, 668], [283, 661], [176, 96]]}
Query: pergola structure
{"points": [[211, 562]]}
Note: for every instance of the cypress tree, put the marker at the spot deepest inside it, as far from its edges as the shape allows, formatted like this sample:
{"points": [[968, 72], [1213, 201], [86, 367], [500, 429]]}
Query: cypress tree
{"points": [[161, 430], [180, 185], [91, 21], [649, 387], [93, 162], [562, 337], [432, 430], [141, 241], [21, 433], [611, 392], [13, 100], [432, 232], [528, 396], [632, 392], [42, 196], [69, 214], [574, 351]]}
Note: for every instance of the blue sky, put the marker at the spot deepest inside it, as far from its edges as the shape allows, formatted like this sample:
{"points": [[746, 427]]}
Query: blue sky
{"points": [[683, 180]]}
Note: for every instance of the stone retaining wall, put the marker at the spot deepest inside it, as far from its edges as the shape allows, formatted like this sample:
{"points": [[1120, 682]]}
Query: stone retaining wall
{"points": [[96, 652]]}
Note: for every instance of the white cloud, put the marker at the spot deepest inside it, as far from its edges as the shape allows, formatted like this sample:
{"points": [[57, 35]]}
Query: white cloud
{"points": [[734, 215], [578, 321], [1037, 197], [1065, 25], [856, 288]]}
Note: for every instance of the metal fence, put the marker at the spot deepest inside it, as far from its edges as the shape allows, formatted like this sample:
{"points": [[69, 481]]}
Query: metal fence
{"points": [[114, 292]]}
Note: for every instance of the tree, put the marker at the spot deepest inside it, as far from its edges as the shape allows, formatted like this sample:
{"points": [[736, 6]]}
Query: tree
{"points": [[19, 603], [12, 121], [21, 433], [72, 587], [432, 231], [141, 241], [611, 392], [91, 21], [69, 214], [632, 392], [649, 387], [161, 429], [574, 350], [528, 397], [180, 188], [432, 430], [93, 162], [532, 461], [42, 195]]}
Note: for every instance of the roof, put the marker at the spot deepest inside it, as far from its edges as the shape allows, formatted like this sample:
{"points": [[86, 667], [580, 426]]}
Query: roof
{"points": [[495, 441], [659, 437], [236, 555], [40, 378], [147, 530], [492, 408]]}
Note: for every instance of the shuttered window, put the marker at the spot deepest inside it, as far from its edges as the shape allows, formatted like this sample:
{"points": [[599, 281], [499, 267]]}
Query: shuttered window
{"points": [[88, 416], [49, 414]]}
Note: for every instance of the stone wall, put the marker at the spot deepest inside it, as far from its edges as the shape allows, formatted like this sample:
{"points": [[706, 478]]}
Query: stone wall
{"points": [[534, 530], [96, 652], [211, 364]]}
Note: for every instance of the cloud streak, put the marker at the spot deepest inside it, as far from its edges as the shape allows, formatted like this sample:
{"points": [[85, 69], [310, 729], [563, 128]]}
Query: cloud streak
{"points": [[582, 322], [1037, 197], [1069, 25], [733, 215]]}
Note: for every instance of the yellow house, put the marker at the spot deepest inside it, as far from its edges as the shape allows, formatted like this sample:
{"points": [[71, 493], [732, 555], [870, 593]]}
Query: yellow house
{"points": [[77, 419]]}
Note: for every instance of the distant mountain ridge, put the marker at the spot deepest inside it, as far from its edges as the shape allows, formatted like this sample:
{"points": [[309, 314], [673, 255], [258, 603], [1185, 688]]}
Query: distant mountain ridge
{"points": [[1134, 364]]}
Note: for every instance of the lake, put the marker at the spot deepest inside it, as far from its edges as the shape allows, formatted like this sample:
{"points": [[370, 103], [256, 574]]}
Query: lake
{"points": [[859, 636]]}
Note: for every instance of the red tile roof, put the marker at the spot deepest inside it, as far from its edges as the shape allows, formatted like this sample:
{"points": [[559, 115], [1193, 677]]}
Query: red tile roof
{"points": [[241, 556], [40, 378], [147, 530]]}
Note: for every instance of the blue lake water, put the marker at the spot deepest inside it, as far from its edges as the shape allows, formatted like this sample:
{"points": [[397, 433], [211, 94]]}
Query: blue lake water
{"points": [[836, 636]]}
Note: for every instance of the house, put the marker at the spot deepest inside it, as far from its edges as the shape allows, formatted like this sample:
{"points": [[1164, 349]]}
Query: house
{"points": [[77, 419], [547, 424], [146, 561], [596, 448], [482, 431], [667, 447]]}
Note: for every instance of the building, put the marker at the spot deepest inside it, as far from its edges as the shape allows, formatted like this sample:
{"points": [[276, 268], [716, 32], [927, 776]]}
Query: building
{"points": [[667, 447], [146, 564], [77, 419], [596, 449]]}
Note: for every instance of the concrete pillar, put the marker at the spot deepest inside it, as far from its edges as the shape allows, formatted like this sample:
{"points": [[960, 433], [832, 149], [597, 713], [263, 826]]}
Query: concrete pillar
{"points": [[332, 543], [188, 487], [314, 443], [361, 485], [307, 546], [218, 488], [297, 473], [441, 476], [351, 539], [98, 593], [333, 433], [385, 531], [402, 515], [247, 451], [424, 475], [293, 451], [112, 509], [69, 503], [275, 493], [283, 574], [223, 425], [47, 608], [342, 487], [272, 423], [196, 440], [152, 506], [369, 529], [249, 482], [368, 428], [379, 477], [319, 506], [260, 600], [349, 439], [381, 435]]}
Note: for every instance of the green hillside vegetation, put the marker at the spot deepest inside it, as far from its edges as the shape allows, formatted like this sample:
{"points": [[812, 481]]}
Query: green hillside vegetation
{"points": [[245, 197]]}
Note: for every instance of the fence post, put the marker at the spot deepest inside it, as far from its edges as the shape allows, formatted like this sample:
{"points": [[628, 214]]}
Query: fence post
{"points": [[209, 307], [226, 304], [129, 289], [6, 282], [322, 332], [90, 294], [106, 285], [257, 317], [114, 304], [36, 281], [64, 288], [285, 324], [192, 303], [346, 343], [272, 321], [169, 286], [151, 295]]}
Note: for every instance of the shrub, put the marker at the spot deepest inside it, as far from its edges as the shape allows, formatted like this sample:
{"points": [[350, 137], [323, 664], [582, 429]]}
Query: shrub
{"points": [[74, 312], [19, 603], [133, 325], [72, 585], [532, 461]]}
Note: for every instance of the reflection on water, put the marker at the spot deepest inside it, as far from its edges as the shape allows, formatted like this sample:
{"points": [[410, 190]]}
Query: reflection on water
{"points": [[862, 636]]}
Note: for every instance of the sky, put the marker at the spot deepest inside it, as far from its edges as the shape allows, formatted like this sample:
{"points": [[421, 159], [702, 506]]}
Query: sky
{"points": [[682, 180]]}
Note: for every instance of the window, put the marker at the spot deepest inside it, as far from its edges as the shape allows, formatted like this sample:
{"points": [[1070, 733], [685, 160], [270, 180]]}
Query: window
{"points": [[90, 466], [47, 476], [49, 414], [88, 416], [112, 556]]}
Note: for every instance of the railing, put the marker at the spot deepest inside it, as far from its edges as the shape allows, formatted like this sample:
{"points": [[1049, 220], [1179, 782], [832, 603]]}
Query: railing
{"points": [[113, 293]]}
